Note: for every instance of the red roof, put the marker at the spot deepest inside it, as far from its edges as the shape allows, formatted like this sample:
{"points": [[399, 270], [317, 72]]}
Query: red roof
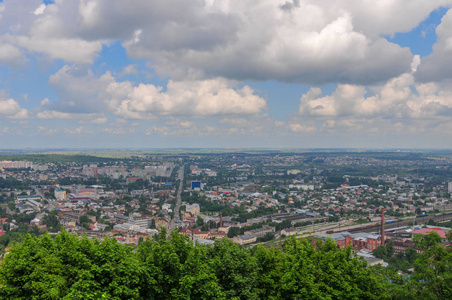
{"points": [[425, 231]]}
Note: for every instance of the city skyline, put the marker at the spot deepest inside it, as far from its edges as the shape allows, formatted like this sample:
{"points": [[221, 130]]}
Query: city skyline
{"points": [[225, 74]]}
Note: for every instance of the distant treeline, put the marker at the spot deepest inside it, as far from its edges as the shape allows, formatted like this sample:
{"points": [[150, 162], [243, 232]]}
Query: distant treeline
{"points": [[58, 158]]}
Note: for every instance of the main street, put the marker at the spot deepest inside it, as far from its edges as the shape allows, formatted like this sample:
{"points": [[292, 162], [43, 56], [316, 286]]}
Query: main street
{"points": [[176, 217]]}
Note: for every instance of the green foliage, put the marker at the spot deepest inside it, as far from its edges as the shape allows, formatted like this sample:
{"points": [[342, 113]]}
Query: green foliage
{"points": [[326, 273], [433, 267], [234, 231], [51, 221], [69, 267], [432, 271], [283, 225], [267, 237], [401, 261]]}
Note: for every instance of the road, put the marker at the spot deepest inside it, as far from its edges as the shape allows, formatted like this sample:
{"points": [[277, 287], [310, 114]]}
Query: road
{"points": [[176, 217], [51, 203]]}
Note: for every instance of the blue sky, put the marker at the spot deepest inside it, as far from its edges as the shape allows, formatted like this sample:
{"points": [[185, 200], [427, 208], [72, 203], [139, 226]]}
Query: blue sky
{"points": [[230, 73]]}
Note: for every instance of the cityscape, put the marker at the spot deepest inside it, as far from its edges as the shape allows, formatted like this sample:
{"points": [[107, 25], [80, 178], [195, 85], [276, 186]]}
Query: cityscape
{"points": [[251, 198], [225, 149]]}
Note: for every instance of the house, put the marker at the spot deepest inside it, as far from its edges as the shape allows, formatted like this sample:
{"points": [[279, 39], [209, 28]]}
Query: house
{"points": [[358, 241], [425, 231], [59, 194], [193, 209], [245, 239], [288, 232], [260, 232]]}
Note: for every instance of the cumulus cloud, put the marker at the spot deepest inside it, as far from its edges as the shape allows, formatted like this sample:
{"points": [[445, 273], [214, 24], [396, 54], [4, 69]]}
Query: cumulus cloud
{"points": [[375, 18], [175, 128], [78, 131], [313, 43], [72, 50], [99, 120], [10, 108], [42, 130], [10, 55], [257, 125], [301, 41], [81, 91], [193, 98], [436, 67], [52, 114], [78, 88], [120, 130], [32, 27], [400, 103], [130, 69], [45, 102]]}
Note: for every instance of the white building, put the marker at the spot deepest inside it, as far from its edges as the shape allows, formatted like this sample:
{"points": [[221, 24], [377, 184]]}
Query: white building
{"points": [[194, 209], [449, 187]]}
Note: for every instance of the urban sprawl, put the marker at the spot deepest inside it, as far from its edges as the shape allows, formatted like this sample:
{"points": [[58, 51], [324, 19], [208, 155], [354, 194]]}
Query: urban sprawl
{"points": [[358, 199]]}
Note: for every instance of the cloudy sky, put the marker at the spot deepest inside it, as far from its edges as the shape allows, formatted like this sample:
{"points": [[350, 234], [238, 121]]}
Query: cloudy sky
{"points": [[226, 73]]}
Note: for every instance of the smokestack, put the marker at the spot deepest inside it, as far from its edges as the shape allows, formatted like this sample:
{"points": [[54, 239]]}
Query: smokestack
{"points": [[221, 219], [383, 227]]}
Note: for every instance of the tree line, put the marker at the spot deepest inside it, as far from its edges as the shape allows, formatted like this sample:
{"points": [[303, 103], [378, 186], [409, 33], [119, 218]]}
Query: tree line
{"points": [[69, 267]]}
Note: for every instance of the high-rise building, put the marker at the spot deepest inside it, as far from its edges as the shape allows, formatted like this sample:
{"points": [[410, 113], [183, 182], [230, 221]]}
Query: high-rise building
{"points": [[449, 187]]}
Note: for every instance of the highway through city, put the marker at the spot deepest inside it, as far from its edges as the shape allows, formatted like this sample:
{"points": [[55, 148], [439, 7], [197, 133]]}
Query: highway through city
{"points": [[176, 217]]}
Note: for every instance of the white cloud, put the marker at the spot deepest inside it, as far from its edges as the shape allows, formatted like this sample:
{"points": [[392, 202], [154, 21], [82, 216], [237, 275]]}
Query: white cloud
{"points": [[52, 114], [299, 128], [40, 10], [311, 43], [78, 131], [399, 103], [194, 98], [120, 130], [259, 125], [303, 41], [436, 67], [46, 131], [45, 102], [68, 49], [33, 27], [81, 91], [10, 55], [256, 125], [130, 69], [99, 120], [10, 108], [78, 89]]}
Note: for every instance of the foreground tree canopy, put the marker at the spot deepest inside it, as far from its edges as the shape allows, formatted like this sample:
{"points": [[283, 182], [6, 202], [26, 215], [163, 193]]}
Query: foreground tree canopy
{"points": [[68, 267]]}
